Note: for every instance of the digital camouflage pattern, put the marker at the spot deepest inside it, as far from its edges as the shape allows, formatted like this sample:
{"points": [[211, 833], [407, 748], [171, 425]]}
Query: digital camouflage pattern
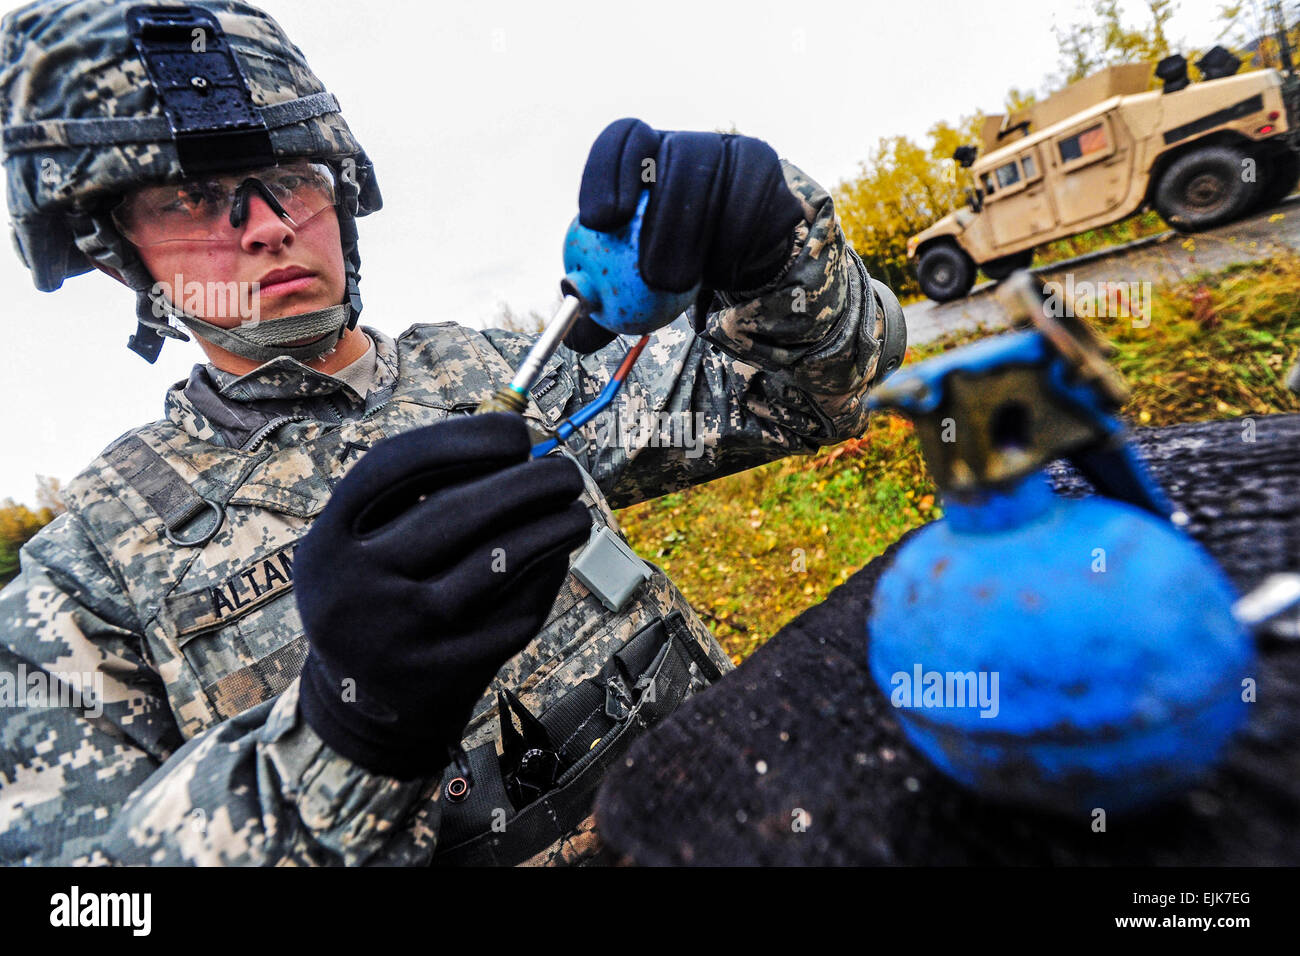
{"points": [[200, 755]]}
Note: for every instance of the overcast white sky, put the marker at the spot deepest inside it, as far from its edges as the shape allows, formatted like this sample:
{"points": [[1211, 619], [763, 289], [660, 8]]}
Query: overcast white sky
{"points": [[479, 116]]}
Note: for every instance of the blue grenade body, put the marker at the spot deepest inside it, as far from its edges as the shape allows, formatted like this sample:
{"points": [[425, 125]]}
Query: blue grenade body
{"points": [[1097, 638], [601, 268], [1107, 664]]}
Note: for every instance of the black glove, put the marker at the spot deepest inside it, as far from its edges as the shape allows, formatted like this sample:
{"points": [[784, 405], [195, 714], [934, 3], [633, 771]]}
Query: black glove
{"points": [[720, 213], [403, 591]]}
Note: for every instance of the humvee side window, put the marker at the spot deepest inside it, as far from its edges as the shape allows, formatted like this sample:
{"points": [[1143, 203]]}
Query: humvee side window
{"points": [[1090, 140], [1031, 170], [1009, 174], [987, 180]]}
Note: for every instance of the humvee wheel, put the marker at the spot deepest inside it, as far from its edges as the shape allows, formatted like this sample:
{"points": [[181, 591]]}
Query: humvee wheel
{"points": [[999, 269], [1205, 188], [1281, 176], [945, 272]]}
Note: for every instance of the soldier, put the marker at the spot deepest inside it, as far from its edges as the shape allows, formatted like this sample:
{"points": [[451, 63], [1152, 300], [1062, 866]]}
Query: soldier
{"points": [[250, 658]]}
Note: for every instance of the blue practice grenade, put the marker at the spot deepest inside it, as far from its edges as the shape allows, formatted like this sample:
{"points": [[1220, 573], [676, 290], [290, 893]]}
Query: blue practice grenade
{"points": [[601, 269], [1066, 654]]}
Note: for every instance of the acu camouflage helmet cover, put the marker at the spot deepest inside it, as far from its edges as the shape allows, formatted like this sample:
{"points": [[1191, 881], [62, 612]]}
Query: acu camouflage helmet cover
{"points": [[84, 123]]}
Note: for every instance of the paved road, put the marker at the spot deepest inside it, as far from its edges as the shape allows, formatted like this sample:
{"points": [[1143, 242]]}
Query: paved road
{"points": [[1165, 260]]}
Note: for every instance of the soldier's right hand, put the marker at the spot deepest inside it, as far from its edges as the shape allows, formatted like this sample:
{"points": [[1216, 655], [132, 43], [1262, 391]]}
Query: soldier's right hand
{"points": [[436, 560]]}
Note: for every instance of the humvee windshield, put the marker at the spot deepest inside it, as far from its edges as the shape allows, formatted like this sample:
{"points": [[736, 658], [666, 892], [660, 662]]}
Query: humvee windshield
{"points": [[1009, 174]]}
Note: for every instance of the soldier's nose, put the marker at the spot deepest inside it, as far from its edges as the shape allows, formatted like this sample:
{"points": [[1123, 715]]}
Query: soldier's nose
{"points": [[264, 229]]}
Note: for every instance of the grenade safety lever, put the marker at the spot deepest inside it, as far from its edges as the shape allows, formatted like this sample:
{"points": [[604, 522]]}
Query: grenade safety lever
{"points": [[996, 411]]}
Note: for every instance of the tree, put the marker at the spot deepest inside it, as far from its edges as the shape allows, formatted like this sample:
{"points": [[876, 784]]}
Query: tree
{"points": [[1249, 30], [1018, 99], [18, 523], [901, 189], [49, 495], [1105, 40], [510, 320]]}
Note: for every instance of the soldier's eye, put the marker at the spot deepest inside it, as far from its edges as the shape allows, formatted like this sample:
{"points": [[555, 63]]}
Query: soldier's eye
{"points": [[301, 182], [175, 207], [184, 204], [201, 201]]}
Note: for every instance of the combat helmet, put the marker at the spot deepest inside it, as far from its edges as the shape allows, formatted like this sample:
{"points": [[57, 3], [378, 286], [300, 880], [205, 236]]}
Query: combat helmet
{"points": [[99, 97]]}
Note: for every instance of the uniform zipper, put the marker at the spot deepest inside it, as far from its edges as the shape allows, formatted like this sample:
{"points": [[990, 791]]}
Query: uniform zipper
{"points": [[265, 431]]}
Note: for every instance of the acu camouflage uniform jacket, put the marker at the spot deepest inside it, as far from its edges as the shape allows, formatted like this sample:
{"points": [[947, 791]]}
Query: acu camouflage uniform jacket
{"points": [[194, 750]]}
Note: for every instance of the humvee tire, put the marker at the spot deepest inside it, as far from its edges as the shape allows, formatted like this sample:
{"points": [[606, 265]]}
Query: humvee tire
{"points": [[945, 272], [998, 269], [1281, 176], [1205, 188]]}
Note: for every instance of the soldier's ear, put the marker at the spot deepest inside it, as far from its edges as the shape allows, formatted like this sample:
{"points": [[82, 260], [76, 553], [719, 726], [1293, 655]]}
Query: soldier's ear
{"points": [[109, 270]]}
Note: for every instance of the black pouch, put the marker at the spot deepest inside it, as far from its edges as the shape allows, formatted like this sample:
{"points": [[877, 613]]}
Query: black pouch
{"points": [[590, 727]]}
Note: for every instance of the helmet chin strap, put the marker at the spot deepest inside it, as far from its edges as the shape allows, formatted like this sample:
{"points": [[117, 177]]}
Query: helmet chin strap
{"points": [[266, 340]]}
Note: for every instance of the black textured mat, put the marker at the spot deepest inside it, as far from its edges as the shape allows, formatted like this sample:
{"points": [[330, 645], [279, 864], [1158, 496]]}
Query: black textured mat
{"points": [[796, 757]]}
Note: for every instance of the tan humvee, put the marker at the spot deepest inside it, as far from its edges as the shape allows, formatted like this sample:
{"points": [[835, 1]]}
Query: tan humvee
{"points": [[1201, 154]]}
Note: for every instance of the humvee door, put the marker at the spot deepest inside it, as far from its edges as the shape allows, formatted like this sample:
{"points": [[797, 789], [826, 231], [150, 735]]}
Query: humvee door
{"points": [[1093, 178], [1016, 200]]}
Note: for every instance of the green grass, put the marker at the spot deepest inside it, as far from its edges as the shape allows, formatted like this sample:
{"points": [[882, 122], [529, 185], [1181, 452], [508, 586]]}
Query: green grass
{"points": [[1217, 346], [1138, 226]]}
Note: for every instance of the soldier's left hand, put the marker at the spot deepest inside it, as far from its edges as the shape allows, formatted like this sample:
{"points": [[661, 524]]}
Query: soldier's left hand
{"points": [[719, 215]]}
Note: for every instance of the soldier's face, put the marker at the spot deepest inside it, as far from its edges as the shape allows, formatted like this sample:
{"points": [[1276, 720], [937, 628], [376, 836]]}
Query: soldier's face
{"points": [[281, 269]]}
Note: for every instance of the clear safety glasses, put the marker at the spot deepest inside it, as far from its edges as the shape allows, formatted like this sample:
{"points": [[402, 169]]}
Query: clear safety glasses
{"points": [[215, 208]]}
